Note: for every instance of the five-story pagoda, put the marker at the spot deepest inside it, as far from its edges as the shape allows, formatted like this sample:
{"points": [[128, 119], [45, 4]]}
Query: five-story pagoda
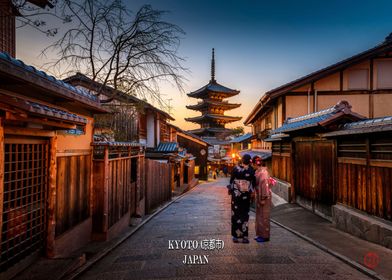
{"points": [[212, 107]]}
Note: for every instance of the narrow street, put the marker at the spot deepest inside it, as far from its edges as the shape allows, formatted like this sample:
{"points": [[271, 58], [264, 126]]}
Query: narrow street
{"points": [[204, 213]]}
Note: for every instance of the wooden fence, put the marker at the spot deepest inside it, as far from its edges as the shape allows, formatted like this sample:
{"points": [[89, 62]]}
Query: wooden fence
{"points": [[116, 176], [158, 183], [281, 161], [365, 174], [72, 192]]}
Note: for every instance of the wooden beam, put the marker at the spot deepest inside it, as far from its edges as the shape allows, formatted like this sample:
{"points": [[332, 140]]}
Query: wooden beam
{"points": [[283, 108], [51, 206], [28, 131], [341, 73], [371, 86], [348, 160], [2, 154], [106, 191], [41, 121], [380, 163]]}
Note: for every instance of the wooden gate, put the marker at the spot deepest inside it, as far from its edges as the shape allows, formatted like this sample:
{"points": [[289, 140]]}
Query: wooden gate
{"points": [[116, 170], [158, 183], [25, 187], [314, 170]]}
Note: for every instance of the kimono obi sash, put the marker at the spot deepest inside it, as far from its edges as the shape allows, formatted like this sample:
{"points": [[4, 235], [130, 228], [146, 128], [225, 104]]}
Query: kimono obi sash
{"points": [[242, 185]]}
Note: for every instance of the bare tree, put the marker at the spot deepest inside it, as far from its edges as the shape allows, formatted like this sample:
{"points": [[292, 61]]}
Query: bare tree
{"points": [[112, 46], [36, 14]]}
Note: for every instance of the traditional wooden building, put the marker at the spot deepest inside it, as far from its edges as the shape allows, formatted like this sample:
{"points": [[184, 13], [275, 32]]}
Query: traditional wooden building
{"points": [[363, 80], [199, 149], [131, 118], [364, 179], [338, 164], [212, 107], [240, 143], [305, 160], [46, 133], [137, 124]]}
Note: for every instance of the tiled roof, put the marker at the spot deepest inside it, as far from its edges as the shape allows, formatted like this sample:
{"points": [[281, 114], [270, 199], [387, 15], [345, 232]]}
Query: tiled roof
{"points": [[82, 80], [16, 62], [301, 124], [265, 154], [41, 109], [364, 126], [242, 138], [54, 112], [115, 143], [276, 137], [209, 129], [214, 117], [167, 147], [314, 119], [225, 105], [213, 87]]}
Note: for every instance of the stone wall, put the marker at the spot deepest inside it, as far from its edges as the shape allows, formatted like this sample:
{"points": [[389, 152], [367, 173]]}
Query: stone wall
{"points": [[282, 189], [362, 225]]}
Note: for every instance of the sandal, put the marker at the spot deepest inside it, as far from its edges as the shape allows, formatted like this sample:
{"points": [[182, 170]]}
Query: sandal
{"points": [[261, 239]]}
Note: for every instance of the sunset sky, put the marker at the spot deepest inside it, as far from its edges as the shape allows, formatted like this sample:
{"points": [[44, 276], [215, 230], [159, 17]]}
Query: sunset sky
{"points": [[259, 45]]}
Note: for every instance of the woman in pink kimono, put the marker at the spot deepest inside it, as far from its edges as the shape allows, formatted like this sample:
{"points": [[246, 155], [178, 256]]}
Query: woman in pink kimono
{"points": [[262, 200]]}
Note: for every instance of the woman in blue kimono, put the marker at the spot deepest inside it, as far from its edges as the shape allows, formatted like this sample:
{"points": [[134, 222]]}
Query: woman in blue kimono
{"points": [[242, 182]]}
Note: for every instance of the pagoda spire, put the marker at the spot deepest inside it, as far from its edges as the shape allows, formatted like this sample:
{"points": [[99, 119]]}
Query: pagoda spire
{"points": [[213, 66], [212, 120]]}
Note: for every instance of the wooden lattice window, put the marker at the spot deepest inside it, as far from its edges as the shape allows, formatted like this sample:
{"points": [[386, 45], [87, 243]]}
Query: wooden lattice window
{"points": [[352, 147], [24, 213], [381, 147], [281, 148]]}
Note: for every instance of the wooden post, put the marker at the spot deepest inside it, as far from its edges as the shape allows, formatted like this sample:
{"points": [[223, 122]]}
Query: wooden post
{"points": [[141, 184], [91, 183], [106, 191], [371, 86], [1, 176], [51, 202]]}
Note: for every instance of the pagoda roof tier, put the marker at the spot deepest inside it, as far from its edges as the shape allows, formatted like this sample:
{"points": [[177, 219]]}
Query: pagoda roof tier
{"points": [[205, 130], [213, 103], [209, 117], [213, 88]]}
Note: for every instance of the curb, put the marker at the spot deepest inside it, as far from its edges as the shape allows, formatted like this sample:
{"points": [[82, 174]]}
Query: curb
{"points": [[78, 272], [337, 255]]}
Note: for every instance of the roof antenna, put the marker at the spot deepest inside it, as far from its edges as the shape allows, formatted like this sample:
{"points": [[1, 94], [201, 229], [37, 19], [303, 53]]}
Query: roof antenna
{"points": [[213, 66]]}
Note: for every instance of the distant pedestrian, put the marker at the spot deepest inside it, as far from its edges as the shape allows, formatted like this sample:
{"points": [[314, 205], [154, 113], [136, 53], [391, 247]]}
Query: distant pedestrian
{"points": [[262, 200], [225, 170], [217, 172], [242, 182]]}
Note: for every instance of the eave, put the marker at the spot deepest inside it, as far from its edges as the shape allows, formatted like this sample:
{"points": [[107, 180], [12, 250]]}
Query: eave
{"points": [[17, 77], [222, 118], [213, 104]]}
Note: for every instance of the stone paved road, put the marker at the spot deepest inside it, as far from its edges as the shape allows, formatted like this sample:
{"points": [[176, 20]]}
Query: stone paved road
{"points": [[204, 213]]}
